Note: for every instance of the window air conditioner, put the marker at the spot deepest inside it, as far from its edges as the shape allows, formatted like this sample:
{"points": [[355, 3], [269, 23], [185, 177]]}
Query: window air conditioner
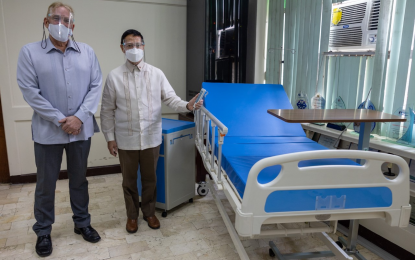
{"points": [[354, 25]]}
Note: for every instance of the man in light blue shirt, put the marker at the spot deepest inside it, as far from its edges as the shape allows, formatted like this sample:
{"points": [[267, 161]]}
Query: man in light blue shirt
{"points": [[61, 80]]}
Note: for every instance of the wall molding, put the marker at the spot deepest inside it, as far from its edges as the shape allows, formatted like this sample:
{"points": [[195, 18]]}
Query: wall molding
{"points": [[91, 171]]}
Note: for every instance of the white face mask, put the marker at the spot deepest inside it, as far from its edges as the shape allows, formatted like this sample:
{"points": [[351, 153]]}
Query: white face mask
{"points": [[59, 32], [134, 54]]}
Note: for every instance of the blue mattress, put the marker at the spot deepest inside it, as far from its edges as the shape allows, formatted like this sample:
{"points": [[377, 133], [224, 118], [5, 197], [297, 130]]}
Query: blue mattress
{"points": [[265, 140], [238, 159], [253, 134]]}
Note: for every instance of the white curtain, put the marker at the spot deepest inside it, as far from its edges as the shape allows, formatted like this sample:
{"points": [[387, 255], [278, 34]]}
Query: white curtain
{"points": [[303, 38]]}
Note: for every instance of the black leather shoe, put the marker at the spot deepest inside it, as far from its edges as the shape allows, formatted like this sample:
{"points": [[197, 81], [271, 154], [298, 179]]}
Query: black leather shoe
{"points": [[44, 246], [88, 233]]}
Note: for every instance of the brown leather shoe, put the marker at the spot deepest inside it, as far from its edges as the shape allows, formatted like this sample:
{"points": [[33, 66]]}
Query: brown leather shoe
{"points": [[153, 222], [131, 226]]}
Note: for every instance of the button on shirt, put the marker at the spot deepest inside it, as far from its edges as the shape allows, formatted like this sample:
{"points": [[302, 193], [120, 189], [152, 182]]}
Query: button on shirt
{"points": [[57, 85], [131, 105]]}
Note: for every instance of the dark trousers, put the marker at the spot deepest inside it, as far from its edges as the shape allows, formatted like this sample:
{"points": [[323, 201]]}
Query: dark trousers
{"points": [[48, 162], [130, 160]]}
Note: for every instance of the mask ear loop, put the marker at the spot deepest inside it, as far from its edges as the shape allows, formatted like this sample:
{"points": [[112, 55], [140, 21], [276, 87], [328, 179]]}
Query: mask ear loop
{"points": [[44, 38], [144, 58], [73, 39]]}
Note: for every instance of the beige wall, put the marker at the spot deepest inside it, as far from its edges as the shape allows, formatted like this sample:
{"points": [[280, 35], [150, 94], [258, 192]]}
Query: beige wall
{"points": [[100, 24]]}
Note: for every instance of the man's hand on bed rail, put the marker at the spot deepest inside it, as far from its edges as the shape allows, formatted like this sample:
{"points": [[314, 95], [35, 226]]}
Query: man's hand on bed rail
{"points": [[192, 106]]}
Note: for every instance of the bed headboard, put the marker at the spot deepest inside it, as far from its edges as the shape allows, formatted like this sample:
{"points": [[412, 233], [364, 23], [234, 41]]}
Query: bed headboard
{"points": [[243, 109]]}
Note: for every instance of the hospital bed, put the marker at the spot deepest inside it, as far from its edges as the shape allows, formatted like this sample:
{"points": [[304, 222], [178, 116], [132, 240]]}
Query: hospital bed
{"points": [[280, 183]]}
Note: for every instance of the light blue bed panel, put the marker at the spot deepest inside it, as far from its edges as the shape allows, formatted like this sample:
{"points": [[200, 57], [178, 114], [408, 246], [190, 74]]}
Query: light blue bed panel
{"points": [[325, 199], [243, 109]]}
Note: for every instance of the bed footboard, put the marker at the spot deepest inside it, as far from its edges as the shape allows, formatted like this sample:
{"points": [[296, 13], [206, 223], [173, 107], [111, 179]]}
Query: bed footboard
{"points": [[328, 192]]}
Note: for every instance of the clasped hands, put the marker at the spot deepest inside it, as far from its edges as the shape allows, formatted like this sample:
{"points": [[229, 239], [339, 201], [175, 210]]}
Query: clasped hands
{"points": [[71, 125]]}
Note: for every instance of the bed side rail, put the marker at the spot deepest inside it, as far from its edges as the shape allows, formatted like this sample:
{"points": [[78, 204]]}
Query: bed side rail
{"points": [[203, 118]]}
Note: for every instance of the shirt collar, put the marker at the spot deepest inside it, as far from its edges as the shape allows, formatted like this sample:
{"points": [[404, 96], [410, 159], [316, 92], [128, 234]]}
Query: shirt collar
{"points": [[50, 46], [131, 67]]}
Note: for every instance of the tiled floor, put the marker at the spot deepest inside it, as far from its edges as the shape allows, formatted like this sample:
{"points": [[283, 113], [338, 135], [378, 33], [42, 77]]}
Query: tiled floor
{"points": [[191, 231]]}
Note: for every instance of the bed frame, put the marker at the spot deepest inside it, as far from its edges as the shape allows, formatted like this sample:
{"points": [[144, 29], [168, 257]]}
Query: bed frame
{"points": [[250, 214]]}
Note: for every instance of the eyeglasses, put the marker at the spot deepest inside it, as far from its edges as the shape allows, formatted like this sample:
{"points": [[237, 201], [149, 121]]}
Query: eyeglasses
{"points": [[130, 45], [56, 19]]}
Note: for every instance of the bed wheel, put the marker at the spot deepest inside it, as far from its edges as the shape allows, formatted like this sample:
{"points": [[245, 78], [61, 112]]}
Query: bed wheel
{"points": [[191, 200], [271, 253], [202, 190], [164, 214], [339, 244]]}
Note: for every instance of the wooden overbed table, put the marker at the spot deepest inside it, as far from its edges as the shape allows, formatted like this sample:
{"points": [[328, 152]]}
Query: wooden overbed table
{"points": [[363, 116]]}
